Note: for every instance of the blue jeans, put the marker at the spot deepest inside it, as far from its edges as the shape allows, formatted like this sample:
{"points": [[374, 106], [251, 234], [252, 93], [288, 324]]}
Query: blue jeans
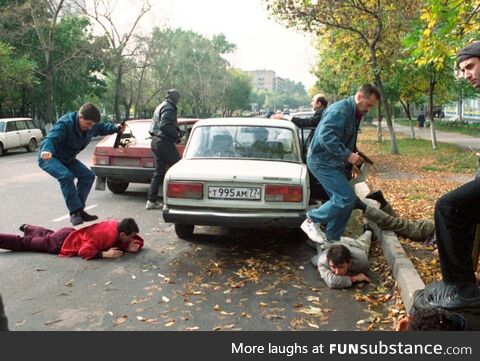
{"points": [[336, 212], [75, 196]]}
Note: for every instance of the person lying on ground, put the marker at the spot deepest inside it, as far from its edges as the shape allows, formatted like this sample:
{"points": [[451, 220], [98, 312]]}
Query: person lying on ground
{"points": [[107, 239], [422, 230], [345, 263]]}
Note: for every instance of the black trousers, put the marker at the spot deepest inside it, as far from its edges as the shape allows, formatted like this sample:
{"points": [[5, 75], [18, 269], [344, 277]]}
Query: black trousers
{"points": [[456, 216], [166, 155]]}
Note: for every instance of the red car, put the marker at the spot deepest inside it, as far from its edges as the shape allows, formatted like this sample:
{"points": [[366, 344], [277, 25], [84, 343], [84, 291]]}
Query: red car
{"points": [[133, 161]]}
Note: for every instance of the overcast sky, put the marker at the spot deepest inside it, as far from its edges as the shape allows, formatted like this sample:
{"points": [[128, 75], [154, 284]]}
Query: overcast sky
{"points": [[261, 43]]}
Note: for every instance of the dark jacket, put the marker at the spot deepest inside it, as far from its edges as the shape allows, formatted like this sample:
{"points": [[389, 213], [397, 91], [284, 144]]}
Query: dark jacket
{"points": [[66, 139], [336, 136], [468, 320], [3, 318], [311, 122], [164, 122]]}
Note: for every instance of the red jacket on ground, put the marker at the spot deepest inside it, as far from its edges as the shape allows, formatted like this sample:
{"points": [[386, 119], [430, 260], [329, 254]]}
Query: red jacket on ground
{"points": [[87, 242]]}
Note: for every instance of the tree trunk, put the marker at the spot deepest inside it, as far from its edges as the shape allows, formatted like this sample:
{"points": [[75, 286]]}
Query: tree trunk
{"points": [[118, 89], [431, 89], [406, 107], [386, 103], [379, 123]]}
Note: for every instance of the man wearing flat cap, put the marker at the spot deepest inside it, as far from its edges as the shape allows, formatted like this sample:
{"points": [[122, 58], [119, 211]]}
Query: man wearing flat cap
{"points": [[165, 134], [456, 215]]}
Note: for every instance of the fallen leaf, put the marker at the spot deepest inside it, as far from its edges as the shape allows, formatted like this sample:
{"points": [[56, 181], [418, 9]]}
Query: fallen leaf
{"points": [[107, 283], [261, 293], [165, 299], [120, 320], [313, 325], [69, 283], [263, 304], [313, 298], [20, 323], [170, 324], [217, 308], [194, 328], [313, 311], [227, 313]]}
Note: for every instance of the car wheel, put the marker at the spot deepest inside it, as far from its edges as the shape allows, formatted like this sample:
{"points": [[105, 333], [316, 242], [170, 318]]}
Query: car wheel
{"points": [[117, 187], [1, 150], [184, 231], [32, 145]]}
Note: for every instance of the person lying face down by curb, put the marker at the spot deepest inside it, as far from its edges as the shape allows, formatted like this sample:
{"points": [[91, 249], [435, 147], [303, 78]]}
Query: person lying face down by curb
{"points": [[107, 239]]}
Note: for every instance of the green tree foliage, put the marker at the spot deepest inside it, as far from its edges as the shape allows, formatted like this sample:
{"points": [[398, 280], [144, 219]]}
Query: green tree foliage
{"points": [[373, 24], [16, 79], [237, 93], [443, 27]]}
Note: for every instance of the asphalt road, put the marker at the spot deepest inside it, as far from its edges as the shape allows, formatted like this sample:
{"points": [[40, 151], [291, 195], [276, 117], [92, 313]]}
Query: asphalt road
{"points": [[225, 279]]}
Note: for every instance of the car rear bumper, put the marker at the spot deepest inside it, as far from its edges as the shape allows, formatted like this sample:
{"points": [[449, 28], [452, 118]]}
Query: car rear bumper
{"points": [[290, 219], [126, 174]]}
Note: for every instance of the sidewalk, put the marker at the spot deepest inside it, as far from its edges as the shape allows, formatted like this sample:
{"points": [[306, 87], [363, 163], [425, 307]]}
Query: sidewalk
{"points": [[461, 140]]}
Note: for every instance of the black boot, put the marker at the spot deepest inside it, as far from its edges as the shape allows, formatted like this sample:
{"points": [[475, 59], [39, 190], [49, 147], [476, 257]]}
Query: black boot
{"points": [[359, 204], [76, 218], [22, 227], [377, 196], [87, 217]]}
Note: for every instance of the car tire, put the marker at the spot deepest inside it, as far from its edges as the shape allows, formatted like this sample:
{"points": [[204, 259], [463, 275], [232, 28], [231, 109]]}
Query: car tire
{"points": [[32, 145], [184, 231], [117, 187], [2, 151]]}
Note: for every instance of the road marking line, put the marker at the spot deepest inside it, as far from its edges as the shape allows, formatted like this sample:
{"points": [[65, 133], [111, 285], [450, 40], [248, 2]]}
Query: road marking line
{"points": [[62, 218]]}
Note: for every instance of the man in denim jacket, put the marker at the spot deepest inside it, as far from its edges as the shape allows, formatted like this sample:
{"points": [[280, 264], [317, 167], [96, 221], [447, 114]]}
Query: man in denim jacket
{"points": [[69, 136], [333, 148]]}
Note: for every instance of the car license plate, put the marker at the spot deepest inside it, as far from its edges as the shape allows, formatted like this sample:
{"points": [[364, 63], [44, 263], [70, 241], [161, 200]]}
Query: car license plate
{"points": [[236, 193]]}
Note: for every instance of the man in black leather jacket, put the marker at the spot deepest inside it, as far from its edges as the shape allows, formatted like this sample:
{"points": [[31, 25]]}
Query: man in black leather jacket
{"points": [[319, 103], [165, 134], [425, 316]]}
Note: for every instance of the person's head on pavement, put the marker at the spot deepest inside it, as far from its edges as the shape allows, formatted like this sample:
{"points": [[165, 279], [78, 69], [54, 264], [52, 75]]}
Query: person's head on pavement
{"points": [[88, 116], [319, 102], [367, 97], [339, 259], [468, 61], [127, 230], [173, 95], [431, 319]]}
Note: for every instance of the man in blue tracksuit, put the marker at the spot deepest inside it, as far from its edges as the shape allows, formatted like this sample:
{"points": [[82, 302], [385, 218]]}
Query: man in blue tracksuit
{"points": [[70, 135], [333, 148]]}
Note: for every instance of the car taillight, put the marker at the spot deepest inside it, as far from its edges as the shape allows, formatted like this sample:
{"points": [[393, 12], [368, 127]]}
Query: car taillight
{"points": [[185, 190], [101, 160], [282, 193]]}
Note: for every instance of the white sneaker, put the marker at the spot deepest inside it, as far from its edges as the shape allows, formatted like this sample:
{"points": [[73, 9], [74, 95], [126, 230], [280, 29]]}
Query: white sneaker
{"points": [[153, 205], [313, 231]]}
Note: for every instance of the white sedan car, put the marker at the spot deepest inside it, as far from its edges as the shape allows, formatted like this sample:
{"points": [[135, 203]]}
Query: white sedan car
{"points": [[238, 172]]}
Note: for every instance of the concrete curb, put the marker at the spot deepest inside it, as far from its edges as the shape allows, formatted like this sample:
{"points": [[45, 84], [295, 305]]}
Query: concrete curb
{"points": [[404, 273]]}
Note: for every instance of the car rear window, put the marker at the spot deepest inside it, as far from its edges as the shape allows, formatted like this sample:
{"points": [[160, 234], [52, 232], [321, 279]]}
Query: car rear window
{"points": [[31, 125], [21, 125], [243, 142], [2, 127]]}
